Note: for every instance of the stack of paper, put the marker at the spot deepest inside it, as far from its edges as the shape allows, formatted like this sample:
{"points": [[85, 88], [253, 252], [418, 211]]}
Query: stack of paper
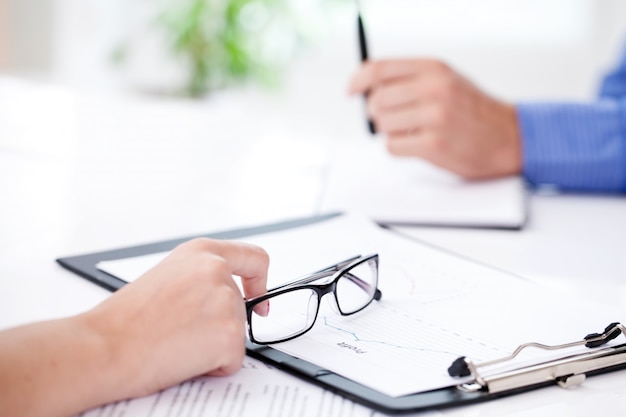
{"points": [[365, 179]]}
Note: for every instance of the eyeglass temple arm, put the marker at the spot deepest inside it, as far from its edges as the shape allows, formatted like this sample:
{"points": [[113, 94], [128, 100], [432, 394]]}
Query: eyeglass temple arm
{"points": [[318, 275], [328, 271], [304, 280], [339, 265], [378, 294], [358, 281]]}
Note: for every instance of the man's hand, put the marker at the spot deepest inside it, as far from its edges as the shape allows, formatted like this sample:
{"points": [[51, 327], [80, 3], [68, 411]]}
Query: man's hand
{"points": [[427, 110]]}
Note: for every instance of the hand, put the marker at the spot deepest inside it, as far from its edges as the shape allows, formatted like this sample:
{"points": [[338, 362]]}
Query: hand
{"points": [[429, 111], [185, 317]]}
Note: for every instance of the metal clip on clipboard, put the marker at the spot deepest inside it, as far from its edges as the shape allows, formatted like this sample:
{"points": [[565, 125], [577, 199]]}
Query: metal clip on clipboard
{"points": [[567, 371]]}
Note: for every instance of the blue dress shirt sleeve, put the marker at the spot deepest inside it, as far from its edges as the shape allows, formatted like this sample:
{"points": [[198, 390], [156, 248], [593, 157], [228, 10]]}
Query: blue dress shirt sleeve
{"points": [[578, 146]]}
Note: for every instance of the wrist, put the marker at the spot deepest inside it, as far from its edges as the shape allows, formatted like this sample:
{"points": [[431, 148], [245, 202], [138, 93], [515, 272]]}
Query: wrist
{"points": [[509, 158], [515, 140], [123, 350], [110, 368], [101, 370]]}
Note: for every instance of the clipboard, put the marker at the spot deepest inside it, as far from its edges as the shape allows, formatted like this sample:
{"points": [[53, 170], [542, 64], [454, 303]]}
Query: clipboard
{"points": [[564, 371]]}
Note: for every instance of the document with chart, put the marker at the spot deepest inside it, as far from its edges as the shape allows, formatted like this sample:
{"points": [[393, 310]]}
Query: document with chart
{"points": [[435, 307]]}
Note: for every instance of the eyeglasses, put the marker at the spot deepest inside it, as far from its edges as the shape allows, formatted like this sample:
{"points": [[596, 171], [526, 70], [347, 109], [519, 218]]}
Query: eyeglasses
{"points": [[294, 306]]}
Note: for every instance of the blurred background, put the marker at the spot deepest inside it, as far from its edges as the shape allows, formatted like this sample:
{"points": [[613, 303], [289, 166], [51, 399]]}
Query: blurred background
{"points": [[131, 121], [208, 114], [516, 49]]}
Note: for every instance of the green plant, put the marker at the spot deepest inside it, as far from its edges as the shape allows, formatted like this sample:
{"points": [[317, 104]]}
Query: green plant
{"points": [[223, 42]]}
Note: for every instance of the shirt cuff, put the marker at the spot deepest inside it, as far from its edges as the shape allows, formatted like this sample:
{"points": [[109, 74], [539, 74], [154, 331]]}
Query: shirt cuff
{"points": [[574, 146]]}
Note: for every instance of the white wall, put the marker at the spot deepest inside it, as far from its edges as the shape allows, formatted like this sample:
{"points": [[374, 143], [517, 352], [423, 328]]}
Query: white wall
{"points": [[28, 34], [516, 49]]}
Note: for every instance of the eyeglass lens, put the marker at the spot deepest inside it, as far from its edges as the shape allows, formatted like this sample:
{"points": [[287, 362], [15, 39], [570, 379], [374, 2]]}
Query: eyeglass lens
{"points": [[356, 287], [290, 314]]}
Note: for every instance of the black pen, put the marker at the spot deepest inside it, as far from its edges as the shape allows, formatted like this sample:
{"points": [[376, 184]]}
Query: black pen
{"points": [[364, 56]]}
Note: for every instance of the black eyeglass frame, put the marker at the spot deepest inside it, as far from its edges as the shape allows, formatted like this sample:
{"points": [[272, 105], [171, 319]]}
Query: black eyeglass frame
{"points": [[337, 271]]}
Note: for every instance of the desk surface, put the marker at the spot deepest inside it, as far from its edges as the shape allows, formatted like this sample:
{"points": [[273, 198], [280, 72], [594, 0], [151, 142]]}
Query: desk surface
{"points": [[82, 173]]}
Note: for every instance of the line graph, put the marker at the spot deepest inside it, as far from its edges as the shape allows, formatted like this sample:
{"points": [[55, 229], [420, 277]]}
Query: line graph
{"points": [[432, 277], [356, 338], [408, 351], [386, 327]]}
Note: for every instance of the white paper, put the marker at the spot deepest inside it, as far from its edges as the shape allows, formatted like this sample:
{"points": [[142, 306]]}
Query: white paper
{"points": [[129, 269], [366, 179], [435, 308], [256, 390]]}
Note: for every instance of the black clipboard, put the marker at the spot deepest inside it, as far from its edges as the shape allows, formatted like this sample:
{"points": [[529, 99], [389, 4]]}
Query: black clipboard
{"points": [[456, 395]]}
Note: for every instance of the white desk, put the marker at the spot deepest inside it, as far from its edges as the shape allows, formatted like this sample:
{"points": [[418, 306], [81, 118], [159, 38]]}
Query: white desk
{"points": [[82, 173], [573, 242]]}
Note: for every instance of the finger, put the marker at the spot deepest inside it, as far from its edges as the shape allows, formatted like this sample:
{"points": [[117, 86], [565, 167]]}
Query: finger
{"points": [[418, 144], [376, 72], [250, 262], [399, 120], [402, 144], [394, 94], [361, 80]]}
